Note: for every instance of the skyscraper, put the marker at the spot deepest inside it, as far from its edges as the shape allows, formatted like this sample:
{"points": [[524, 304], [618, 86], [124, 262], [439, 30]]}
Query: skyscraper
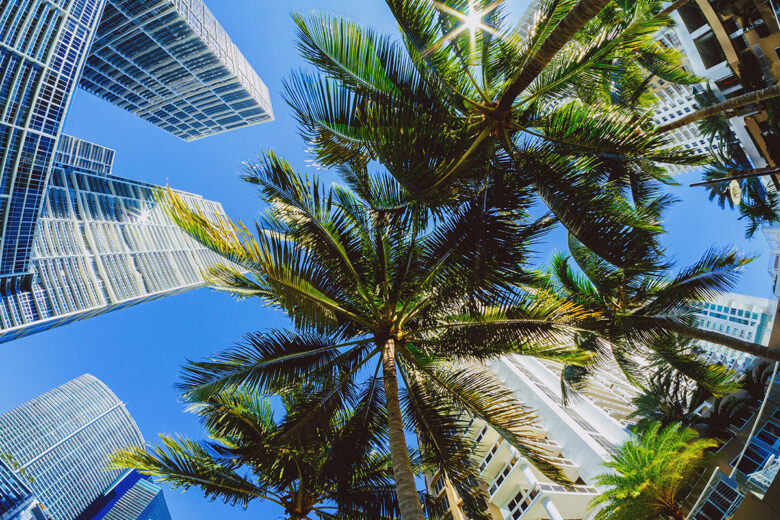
{"points": [[43, 46], [103, 243], [167, 61], [171, 63], [16, 497], [736, 53], [132, 497], [63, 440], [744, 317]]}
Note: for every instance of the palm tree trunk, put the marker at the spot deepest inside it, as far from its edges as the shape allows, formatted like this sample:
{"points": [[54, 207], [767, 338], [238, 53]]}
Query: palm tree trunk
{"points": [[673, 7], [739, 101], [754, 349], [405, 487], [580, 14]]}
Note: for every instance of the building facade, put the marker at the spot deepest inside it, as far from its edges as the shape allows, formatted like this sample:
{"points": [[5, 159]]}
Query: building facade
{"points": [[16, 498], [749, 318], [171, 63], [132, 497], [747, 487], [43, 46], [736, 47], [103, 243], [63, 441], [579, 437]]}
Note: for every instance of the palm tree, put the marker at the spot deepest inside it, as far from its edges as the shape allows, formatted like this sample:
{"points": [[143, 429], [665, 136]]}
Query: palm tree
{"points": [[335, 468], [722, 416], [650, 313], [755, 380], [466, 104], [382, 292], [667, 399], [651, 472], [750, 98]]}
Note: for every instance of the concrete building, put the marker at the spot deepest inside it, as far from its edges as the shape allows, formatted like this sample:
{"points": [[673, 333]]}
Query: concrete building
{"points": [[103, 243], [745, 317], [168, 61], [735, 46], [63, 441], [579, 437], [676, 101], [753, 491]]}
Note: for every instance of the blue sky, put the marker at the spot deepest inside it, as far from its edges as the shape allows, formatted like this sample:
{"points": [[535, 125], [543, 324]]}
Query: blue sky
{"points": [[138, 351]]}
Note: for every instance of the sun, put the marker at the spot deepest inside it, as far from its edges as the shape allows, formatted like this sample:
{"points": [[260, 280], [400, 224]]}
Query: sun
{"points": [[471, 21]]}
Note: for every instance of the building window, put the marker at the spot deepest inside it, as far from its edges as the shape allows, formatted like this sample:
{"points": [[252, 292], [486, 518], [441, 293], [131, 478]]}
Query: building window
{"points": [[731, 26]]}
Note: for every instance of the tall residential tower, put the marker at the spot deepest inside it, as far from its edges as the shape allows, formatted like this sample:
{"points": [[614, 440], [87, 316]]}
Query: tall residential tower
{"points": [[103, 243], [63, 441], [579, 437], [74, 239], [43, 46]]}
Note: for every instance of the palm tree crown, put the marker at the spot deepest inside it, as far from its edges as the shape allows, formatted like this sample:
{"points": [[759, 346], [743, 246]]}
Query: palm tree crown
{"points": [[650, 473], [335, 468], [646, 314], [379, 289], [555, 109]]}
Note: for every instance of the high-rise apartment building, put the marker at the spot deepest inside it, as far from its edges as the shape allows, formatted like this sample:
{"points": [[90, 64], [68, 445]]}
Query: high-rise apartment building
{"points": [[749, 318], [676, 101], [736, 47], [171, 63], [63, 441], [43, 46], [746, 487], [579, 437], [103, 243], [132, 497], [16, 498], [168, 61]]}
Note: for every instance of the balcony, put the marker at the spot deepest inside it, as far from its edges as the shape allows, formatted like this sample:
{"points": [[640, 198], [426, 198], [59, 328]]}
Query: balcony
{"points": [[533, 504], [692, 17]]}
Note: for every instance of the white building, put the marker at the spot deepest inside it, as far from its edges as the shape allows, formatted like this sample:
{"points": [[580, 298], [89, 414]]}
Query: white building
{"points": [[745, 317], [695, 38], [102, 243], [772, 234], [580, 437]]}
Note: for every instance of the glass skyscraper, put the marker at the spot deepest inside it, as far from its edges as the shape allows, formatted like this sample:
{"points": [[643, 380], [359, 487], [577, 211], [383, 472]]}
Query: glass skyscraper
{"points": [[63, 440], [171, 63], [15, 495], [43, 46], [132, 497], [103, 243], [75, 241]]}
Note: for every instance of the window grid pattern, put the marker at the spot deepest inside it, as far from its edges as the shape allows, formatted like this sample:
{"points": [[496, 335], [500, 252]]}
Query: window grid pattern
{"points": [[63, 440], [43, 45], [171, 63], [143, 501], [15, 495], [103, 243]]}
